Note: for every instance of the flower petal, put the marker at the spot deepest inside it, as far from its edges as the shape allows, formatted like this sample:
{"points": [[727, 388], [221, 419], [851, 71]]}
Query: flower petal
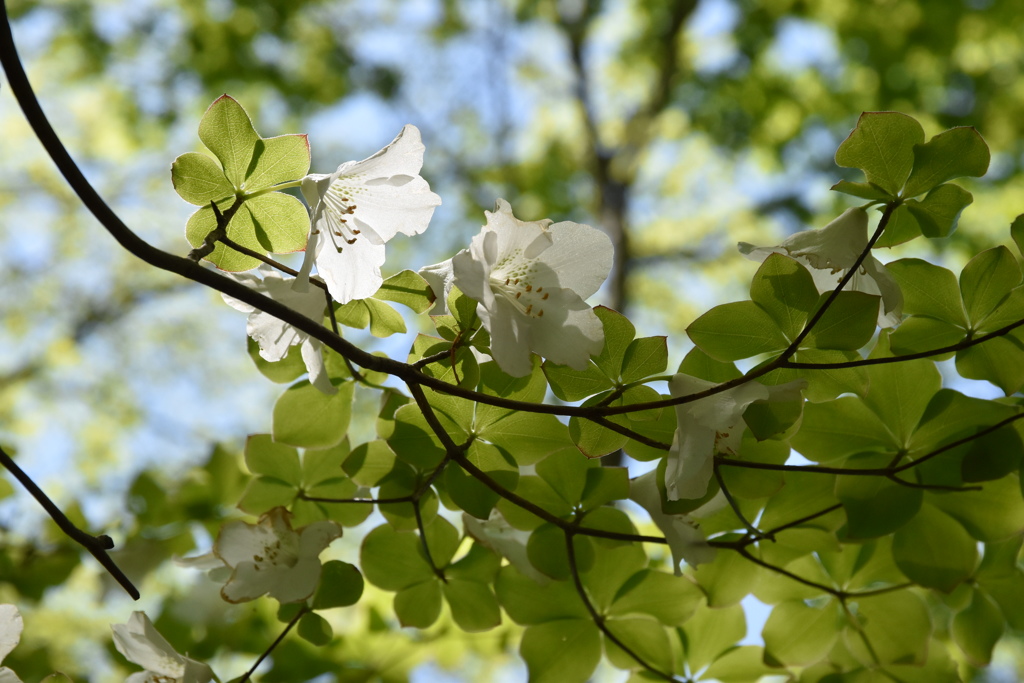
{"points": [[568, 333], [11, 626], [440, 277], [510, 345], [576, 244], [351, 271], [684, 538], [140, 643]]}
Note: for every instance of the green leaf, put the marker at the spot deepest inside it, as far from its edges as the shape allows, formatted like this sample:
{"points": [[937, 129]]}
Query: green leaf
{"points": [[314, 628], [735, 331], [997, 360], [728, 579], [710, 632], [592, 439], [993, 455], [672, 600], [739, 665], [848, 324], [604, 485], [955, 153], [419, 605], [882, 145], [934, 551], [392, 559], [341, 585], [414, 442], [573, 385], [564, 651], [548, 553], [978, 628], [527, 437], [384, 320], [938, 213], [306, 417], [199, 180], [369, 463], [875, 506], [409, 289], [993, 514], [264, 493], [698, 364], [929, 290], [528, 602], [286, 370], [645, 637], [227, 131], [474, 607], [896, 624], [644, 357], [798, 635], [862, 190], [618, 333], [749, 483], [786, 291], [840, 428], [472, 495], [920, 333], [1017, 232], [264, 456], [986, 280], [902, 227], [277, 160]]}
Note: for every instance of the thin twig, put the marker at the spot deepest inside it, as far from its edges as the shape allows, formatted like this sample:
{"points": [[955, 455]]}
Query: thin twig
{"points": [[291, 624], [96, 545]]}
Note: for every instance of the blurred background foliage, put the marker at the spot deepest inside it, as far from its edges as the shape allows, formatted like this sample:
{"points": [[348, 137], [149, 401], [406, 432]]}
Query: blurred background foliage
{"points": [[678, 126]]}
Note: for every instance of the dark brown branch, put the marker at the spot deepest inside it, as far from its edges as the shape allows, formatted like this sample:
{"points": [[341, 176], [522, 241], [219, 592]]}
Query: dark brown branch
{"points": [[96, 545]]}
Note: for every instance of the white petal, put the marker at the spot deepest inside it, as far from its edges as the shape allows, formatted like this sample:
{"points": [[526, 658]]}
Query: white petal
{"points": [[196, 672], [298, 583], [314, 538], [240, 542], [517, 239], [440, 277], [568, 333], [312, 356], [509, 337], [581, 256], [401, 156], [351, 272], [202, 562], [684, 538], [891, 312], [140, 642], [11, 626], [250, 281], [471, 269], [250, 581]]}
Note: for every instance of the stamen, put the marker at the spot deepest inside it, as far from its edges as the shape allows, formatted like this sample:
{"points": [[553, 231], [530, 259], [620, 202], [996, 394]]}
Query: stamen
{"points": [[528, 309], [545, 297], [529, 288], [518, 294], [351, 241], [540, 289], [507, 280], [540, 313], [516, 282]]}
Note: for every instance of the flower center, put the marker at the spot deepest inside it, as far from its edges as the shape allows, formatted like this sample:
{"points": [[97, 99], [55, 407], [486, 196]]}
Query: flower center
{"points": [[518, 289], [340, 206]]}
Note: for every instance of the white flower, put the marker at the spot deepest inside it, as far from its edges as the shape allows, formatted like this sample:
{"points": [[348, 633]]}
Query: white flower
{"points": [[711, 425], [271, 557], [11, 626], [140, 642], [440, 278], [274, 336], [530, 279], [358, 208], [684, 538], [830, 252]]}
